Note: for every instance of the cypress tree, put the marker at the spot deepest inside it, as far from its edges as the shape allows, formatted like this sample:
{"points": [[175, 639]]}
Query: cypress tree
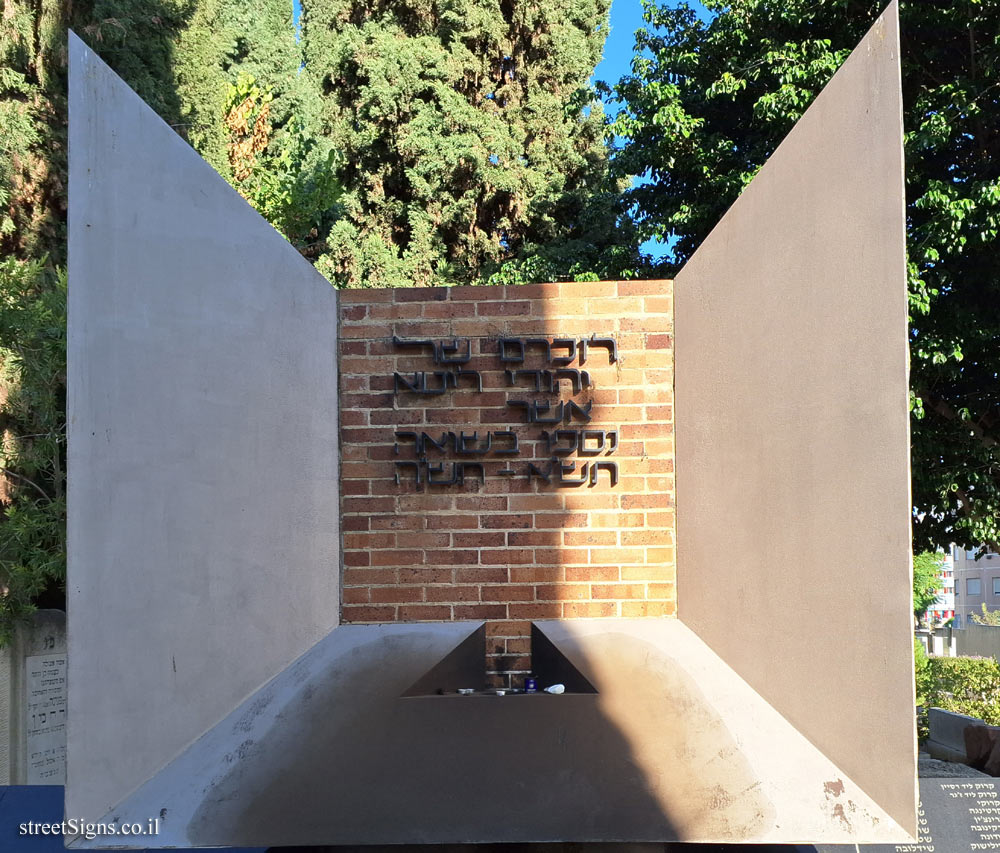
{"points": [[224, 40], [469, 139], [135, 37], [249, 111]]}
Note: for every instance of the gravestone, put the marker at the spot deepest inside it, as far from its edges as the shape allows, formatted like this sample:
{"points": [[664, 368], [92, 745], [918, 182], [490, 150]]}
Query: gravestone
{"points": [[33, 693]]}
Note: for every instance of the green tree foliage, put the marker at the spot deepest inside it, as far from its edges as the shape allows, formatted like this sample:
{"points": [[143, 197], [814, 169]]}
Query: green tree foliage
{"points": [[924, 679], [181, 57], [470, 139], [291, 180], [32, 148], [708, 102], [227, 40], [33, 447], [922, 673], [134, 36], [966, 685], [926, 581]]}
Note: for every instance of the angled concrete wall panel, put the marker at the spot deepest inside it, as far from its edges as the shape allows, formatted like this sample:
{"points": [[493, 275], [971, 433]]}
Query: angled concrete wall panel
{"points": [[792, 431], [203, 481]]}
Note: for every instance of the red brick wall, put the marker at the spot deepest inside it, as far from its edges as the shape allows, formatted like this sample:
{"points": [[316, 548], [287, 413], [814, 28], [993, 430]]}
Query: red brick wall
{"points": [[502, 548]]}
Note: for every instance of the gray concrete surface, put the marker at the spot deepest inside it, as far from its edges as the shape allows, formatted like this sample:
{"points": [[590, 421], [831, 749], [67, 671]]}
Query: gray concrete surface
{"points": [[203, 473], [935, 768], [943, 752], [792, 431], [673, 746], [978, 640]]}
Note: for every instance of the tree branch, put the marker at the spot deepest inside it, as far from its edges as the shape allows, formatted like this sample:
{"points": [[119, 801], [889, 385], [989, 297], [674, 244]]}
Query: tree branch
{"points": [[41, 491], [941, 406]]}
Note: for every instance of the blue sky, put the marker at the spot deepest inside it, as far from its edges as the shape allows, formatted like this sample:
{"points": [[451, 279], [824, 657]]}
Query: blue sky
{"points": [[626, 18]]}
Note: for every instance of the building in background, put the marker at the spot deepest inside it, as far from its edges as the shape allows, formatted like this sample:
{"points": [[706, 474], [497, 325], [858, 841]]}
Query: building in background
{"points": [[976, 582], [943, 607]]}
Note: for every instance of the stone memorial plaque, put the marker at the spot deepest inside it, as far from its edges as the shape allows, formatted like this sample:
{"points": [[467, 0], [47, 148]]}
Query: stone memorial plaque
{"points": [[45, 719], [956, 815]]}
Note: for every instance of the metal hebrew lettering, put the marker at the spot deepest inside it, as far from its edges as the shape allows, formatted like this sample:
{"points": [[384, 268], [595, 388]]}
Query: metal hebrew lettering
{"points": [[421, 441], [553, 439], [569, 344], [538, 414], [537, 375], [473, 374], [399, 465], [452, 353], [442, 352], [444, 378], [535, 472], [548, 380], [609, 343], [442, 445], [458, 473], [579, 379], [439, 469], [551, 376], [516, 350], [505, 344], [540, 343], [609, 439], [419, 384], [610, 467], [463, 447], [399, 342], [400, 382], [563, 469]]}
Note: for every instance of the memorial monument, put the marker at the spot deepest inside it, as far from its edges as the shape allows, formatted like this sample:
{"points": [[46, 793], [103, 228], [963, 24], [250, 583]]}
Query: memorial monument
{"points": [[301, 520]]}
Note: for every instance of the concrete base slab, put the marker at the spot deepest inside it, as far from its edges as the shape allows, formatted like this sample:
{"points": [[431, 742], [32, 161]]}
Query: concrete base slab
{"points": [[674, 746]]}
